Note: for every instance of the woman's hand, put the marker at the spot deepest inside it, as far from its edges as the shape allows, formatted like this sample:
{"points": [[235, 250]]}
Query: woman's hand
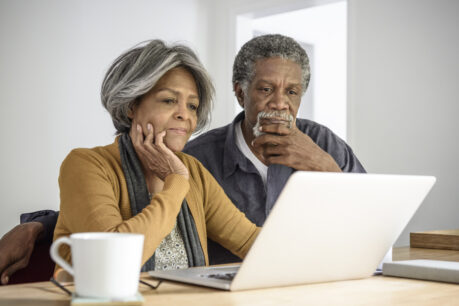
{"points": [[153, 153]]}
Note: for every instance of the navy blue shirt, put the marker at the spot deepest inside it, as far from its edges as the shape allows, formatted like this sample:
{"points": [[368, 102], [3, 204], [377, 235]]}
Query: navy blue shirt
{"points": [[218, 152]]}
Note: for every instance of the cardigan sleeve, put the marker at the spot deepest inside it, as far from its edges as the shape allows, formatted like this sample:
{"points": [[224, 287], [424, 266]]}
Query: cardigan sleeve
{"points": [[89, 201], [226, 224]]}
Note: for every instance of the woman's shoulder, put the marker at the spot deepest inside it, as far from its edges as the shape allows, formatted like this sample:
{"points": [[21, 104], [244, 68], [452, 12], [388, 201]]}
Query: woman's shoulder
{"points": [[92, 157]]}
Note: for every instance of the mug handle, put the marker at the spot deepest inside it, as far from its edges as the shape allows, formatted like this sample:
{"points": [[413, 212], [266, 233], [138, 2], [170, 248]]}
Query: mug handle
{"points": [[54, 252]]}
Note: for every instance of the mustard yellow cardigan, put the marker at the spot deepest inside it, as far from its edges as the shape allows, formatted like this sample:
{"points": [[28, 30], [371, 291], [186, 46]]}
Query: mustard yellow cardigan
{"points": [[94, 198]]}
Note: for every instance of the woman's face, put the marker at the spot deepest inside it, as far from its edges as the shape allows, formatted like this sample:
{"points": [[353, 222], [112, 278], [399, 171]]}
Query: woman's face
{"points": [[171, 106]]}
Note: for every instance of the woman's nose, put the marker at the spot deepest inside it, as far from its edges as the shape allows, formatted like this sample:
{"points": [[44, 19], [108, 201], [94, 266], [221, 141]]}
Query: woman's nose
{"points": [[181, 112]]}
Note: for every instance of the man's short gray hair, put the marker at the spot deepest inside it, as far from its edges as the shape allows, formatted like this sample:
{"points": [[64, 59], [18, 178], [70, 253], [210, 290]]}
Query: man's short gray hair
{"points": [[136, 72], [266, 46]]}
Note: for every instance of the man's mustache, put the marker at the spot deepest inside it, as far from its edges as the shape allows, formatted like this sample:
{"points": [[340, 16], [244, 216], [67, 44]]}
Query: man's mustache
{"points": [[271, 116], [280, 115]]}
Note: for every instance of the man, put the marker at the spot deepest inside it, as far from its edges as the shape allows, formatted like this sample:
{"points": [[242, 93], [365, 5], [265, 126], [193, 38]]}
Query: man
{"points": [[252, 157]]}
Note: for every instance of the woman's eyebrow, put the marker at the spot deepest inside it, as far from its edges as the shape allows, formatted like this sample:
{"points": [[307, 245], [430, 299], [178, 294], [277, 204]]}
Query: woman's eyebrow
{"points": [[168, 89], [176, 93]]}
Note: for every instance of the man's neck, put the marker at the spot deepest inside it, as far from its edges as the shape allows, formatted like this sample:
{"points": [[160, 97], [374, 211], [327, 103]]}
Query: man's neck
{"points": [[247, 132]]}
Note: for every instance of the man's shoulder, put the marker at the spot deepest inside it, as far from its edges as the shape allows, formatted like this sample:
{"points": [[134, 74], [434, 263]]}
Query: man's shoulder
{"points": [[322, 136], [215, 138], [332, 144], [314, 129]]}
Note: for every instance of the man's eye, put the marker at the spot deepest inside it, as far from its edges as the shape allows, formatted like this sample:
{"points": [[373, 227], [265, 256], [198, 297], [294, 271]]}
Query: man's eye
{"points": [[292, 92], [265, 89], [169, 101]]}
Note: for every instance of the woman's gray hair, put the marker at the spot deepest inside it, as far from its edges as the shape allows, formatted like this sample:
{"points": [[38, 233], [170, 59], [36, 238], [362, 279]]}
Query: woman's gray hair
{"points": [[136, 72], [266, 46]]}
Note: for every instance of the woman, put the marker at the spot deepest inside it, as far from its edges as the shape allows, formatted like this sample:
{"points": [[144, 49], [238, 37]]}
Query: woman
{"points": [[157, 97]]}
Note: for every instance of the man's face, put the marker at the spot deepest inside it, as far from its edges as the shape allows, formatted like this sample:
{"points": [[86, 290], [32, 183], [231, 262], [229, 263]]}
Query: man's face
{"points": [[275, 89]]}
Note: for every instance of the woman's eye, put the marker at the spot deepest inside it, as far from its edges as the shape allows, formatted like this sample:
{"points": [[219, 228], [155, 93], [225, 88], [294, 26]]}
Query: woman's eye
{"points": [[193, 107], [169, 101]]}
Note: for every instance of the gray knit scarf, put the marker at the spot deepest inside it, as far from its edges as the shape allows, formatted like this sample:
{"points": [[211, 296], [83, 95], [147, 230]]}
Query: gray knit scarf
{"points": [[139, 198]]}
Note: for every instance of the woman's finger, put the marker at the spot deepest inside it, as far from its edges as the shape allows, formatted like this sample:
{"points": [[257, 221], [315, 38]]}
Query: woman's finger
{"points": [[138, 134], [159, 139], [159, 142], [150, 132]]}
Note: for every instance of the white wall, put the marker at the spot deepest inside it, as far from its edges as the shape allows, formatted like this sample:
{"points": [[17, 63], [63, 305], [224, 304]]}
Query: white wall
{"points": [[403, 97], [403, 89], [53, 57], [403, 73]]}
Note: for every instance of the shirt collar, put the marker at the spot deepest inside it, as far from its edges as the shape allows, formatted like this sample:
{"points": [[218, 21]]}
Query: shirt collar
{"points": [[232, 156]]}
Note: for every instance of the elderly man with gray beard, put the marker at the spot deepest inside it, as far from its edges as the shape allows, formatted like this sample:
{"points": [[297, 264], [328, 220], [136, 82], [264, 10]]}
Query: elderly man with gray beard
{"points": [[251, 158]]}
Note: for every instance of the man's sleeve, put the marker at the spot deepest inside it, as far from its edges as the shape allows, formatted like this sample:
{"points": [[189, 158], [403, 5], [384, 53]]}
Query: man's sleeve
{"points": [[352, 163], [333, 145], [46, 217]]}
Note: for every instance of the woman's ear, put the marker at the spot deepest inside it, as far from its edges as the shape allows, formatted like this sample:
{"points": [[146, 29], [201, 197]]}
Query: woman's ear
{"points": [[132, 107]]}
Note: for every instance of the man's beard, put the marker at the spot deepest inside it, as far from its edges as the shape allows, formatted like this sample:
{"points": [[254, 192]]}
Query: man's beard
{"points": [[277, 117]]}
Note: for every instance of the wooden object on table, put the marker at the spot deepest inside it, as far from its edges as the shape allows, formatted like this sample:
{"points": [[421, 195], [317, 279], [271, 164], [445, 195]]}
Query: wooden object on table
{"points": [[441, 239], [407, 253], [376, 290], [136, 300]]}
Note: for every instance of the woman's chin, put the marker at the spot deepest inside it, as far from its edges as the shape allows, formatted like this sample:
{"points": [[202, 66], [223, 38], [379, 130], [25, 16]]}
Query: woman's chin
{"points": [[175, 146]]}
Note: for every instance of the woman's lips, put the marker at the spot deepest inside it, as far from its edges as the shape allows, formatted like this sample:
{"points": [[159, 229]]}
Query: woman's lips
{"points": [[178, 131]]}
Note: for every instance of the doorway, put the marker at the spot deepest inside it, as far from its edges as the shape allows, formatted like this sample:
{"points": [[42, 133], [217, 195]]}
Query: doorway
{"points": [[322, 31]]}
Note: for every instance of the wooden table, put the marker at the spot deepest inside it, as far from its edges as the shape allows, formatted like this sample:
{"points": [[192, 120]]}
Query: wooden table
{"points": [[376, 290]]}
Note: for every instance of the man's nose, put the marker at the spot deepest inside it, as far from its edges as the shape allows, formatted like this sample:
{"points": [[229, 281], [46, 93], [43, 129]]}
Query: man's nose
{"points": [[279, 101]]}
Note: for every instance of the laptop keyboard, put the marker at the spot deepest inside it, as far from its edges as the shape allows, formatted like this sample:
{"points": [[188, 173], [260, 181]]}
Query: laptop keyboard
{"points": [[223, 276]]}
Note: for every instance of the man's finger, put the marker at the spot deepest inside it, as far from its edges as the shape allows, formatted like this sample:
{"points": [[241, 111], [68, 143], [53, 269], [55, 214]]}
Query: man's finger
{"points": [[12, 269], [276, 128], [5, 279], [274, 160], [274, 150], [265, 139], [3, 261]]}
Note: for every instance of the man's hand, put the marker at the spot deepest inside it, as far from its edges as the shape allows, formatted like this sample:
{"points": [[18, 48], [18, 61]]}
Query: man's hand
{"points": [[292, 148], [16, 246]]}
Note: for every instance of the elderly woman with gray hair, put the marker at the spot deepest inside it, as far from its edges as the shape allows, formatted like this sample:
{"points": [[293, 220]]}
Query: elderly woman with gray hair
{"points": [[157, 97]]}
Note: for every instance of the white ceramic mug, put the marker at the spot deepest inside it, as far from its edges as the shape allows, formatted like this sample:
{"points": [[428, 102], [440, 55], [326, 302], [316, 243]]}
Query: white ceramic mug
{"points": [[105, 265]]}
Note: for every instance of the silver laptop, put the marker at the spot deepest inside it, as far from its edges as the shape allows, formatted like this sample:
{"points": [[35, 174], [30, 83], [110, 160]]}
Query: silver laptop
{"points": [[324, 227]]}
